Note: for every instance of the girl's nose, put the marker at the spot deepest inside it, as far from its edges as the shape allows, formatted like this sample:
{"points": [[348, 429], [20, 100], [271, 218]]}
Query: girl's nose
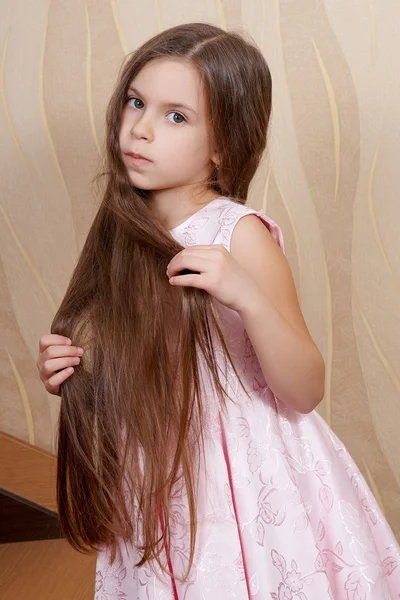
{"points": [[142, 129]]}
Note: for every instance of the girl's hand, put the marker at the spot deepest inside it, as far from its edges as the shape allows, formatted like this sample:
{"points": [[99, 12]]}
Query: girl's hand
{"points": [[217, 272], [55, 361]]}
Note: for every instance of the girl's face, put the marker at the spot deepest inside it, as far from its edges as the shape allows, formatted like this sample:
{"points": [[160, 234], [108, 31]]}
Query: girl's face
{"points": [[176, 139]]}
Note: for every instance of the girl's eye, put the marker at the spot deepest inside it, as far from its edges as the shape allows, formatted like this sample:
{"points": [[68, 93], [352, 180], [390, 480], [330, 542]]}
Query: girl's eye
{"points": [[134, 101], [179, 116]]}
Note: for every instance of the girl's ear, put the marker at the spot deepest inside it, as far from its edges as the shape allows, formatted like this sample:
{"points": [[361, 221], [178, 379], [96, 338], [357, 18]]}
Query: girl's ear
{"points": [[216, 160]]}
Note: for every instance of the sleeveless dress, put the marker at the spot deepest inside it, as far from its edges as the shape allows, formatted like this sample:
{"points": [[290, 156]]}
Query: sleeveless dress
{"points": [[283, 511]]}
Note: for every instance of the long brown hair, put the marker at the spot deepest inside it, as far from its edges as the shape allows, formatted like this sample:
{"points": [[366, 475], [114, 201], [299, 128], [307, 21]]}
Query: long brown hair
{"points": [[131, 414]]}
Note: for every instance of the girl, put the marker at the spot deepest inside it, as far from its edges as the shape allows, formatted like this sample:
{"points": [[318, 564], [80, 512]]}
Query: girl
{"points": [[189, 454]]}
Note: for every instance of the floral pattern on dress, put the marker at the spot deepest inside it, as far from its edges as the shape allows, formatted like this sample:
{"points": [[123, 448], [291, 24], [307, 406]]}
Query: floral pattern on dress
{"points": [[283, 511]]}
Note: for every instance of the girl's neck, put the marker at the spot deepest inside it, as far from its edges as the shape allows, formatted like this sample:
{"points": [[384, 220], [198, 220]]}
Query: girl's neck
{"points": [[170, 211]]}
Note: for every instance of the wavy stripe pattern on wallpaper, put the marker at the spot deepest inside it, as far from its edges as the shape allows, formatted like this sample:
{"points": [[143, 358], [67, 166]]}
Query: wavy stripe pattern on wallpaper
{"points": [[329, 178]]}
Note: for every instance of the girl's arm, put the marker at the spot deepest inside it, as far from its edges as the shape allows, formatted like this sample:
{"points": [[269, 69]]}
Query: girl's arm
{"points": [[291, 362]]}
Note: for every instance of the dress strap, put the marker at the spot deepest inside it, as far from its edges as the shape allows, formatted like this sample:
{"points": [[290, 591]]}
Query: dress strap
{"points": [[230, 216]]}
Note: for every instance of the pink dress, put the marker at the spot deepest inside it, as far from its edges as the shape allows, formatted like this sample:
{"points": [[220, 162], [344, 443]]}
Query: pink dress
{"points": [[283, 511]]}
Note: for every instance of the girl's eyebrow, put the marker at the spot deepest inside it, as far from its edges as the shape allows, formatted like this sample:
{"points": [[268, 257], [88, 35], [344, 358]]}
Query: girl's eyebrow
{"points": [[166, 104]]}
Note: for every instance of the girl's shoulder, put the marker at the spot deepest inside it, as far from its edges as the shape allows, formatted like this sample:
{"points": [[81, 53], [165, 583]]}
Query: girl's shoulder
{"points": [[215, 222]]}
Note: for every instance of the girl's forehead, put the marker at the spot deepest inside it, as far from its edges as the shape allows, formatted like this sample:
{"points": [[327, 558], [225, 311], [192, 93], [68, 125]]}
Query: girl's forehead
{"points": [[163, 78]]}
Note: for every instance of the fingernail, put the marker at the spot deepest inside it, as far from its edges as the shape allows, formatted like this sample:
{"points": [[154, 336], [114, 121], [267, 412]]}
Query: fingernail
{"points": [[67, 341]]}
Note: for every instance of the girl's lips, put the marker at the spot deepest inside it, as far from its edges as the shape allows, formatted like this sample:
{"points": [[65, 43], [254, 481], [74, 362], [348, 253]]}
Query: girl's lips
{"points": [[136, 159]]}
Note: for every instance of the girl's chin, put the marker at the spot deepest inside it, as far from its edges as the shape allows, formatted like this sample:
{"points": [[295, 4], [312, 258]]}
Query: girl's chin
{"points": [[141, 186]]}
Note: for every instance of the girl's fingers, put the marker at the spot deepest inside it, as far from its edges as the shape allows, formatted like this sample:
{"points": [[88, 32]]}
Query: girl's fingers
{"points": [[193, 263], [52, 339], [191, 280], [50, 367], [53, 352], [57, 358], [53, 384]]}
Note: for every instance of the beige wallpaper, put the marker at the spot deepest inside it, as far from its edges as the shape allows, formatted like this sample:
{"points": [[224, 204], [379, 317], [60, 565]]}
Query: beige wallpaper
{"points": [[330, 180]]}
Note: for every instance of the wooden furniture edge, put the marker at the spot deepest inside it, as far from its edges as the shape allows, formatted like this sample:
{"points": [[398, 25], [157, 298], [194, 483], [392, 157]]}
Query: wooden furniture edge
{"points": [[28, 471]]}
